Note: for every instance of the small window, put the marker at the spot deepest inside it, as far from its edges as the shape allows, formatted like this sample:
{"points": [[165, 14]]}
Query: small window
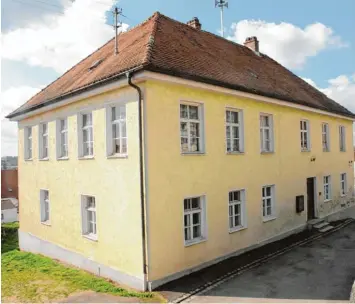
{"points": [[305, 143], [62, 138], [343, 184], [268, 197], [43, 141], [327, 188], [234, 131], [191, 128], [266, 133], [116, 130], [44, 201], [194, 214], [325, 137], [236, 210], [342, 138], [86, 140], [28, 143], [88, 205]]}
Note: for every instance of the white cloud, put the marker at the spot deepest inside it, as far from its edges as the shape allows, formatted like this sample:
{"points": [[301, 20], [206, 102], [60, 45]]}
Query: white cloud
{"points": [[11, 99], [288, 44], [62, 40]]}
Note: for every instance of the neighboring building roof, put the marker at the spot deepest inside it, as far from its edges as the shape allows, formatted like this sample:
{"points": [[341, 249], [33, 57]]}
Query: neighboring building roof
{"points": [[7, 204], [166, 46]]}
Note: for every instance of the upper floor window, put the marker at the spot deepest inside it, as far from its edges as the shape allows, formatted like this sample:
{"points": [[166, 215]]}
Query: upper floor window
{"points": [[342, 138], [43, 141], [236, 210], [266, 133], [62, 138], [305, 143], [343, 184], [268, 197], [28, 143], [194, 214], [325, 137], [44, 202], [234, 131], [88, 210], [86, 139], [327, 187], [116, 130], [191, 128]]}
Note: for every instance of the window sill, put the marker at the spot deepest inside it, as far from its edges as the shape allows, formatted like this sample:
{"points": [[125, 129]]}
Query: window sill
{"points": [[117, 156], [267, 152], [63, 158], [235, 153], [86, 157], [193, 153], [195, 242], [236, 229], [44, 159], [91, 237], [327, 200], [268, 219], [46, 223], [305, 150]]}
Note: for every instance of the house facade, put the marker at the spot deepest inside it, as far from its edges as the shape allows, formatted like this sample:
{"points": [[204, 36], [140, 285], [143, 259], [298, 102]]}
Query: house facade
{"points": [[158, 170]]}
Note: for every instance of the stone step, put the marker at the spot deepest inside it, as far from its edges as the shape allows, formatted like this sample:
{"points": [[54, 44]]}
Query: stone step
{"points": [[321, 225], [327, 228]]}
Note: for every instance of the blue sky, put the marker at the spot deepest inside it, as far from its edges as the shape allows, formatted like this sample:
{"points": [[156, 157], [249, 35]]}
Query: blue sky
{"points": [[41, 40]]}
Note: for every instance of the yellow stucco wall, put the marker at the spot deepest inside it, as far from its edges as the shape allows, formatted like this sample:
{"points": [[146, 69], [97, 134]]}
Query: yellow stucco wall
{"points": [[172, 176], [113, 182]]}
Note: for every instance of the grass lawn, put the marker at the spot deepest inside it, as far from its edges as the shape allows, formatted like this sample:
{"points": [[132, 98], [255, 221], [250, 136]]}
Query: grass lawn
{"points": [[28, 277]]}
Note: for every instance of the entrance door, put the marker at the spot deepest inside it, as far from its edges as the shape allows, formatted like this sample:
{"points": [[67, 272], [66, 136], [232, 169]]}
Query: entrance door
{"points": [[310, 198]]}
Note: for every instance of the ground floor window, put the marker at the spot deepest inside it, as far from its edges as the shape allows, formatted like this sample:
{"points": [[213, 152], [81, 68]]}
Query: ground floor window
{"points": [[89, 216], [268, 198], [236, 206], [194, 219]]}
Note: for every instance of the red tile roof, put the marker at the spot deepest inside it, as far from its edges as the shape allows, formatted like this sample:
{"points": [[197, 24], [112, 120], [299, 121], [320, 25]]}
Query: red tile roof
{"points": [[167, 46]]}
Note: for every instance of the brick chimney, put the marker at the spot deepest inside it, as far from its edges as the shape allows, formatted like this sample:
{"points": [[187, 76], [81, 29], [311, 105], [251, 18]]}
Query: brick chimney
{"points": [[252, 43], [194, 23]]}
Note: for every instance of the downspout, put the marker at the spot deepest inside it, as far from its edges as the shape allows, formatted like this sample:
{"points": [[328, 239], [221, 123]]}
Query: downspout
{"points": [[141, 174]]}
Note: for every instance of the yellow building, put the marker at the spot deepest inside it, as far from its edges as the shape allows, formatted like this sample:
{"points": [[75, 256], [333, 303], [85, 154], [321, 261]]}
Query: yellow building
{"points": [[179, 151]]}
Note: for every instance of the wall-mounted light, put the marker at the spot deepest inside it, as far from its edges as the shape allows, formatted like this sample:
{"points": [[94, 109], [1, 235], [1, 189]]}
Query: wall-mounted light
{"points": [[313, 158]]}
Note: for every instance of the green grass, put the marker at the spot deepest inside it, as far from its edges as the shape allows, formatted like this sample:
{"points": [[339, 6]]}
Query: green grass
{"points": [[28, 277]]}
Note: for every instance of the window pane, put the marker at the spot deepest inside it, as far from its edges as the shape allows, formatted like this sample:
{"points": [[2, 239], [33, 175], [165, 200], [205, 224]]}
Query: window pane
{"points": [[234, 117], [228, 116], [236, 196], [184, 144], [183, 111], [187, 204], [228, 131], [195, 203], [124, 145], [196, 218], [230, 210], [194, 129], [268, 191], [237, 209], [193, 111], [187, 220], [115, 130], [183, 129], [231, 224], [237, 221], [195, 144], [123, 129], [235, 132], [187, 234], [196, 231], [268, 210]]}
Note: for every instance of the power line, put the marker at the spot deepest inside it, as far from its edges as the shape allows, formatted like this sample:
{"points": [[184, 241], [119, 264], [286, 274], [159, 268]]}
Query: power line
{"points": [[39, 7]]}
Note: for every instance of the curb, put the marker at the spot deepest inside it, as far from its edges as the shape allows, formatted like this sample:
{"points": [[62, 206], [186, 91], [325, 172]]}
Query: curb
{"points": [[352, 294], [214, 283]]}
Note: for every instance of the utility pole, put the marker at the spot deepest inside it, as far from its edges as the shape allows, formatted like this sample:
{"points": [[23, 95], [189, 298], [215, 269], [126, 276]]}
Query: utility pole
{"points": [[221, 4], [116, 12]]}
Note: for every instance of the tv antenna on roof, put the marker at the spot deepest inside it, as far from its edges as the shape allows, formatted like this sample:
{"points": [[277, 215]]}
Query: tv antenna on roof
{"points": [[116, 12], [221, 4]]}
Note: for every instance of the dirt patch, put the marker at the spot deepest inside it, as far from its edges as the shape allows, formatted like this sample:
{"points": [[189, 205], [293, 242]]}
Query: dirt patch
{"points": [[95, 297]]}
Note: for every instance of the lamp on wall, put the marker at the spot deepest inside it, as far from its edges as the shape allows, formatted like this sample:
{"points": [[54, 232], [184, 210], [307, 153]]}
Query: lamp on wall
{"points": [[313, 158]]}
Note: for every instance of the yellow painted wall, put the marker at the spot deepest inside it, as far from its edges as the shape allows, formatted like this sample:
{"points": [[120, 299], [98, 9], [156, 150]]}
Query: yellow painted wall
{"points": [[172, 176], [113, 182]]}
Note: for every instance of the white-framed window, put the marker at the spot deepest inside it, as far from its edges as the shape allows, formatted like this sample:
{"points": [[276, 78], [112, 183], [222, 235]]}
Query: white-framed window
{"points": [[266, 133], [327, 187], [43, 141], [325, 137], [343, 184], [116, 124], [45, 206], [86, 137], [28, 143], [62, 138], [268, 199], [236, 210], [194, 219], [191, 129], [88, 210], [342, 138], [234, 131], [304, 129]]}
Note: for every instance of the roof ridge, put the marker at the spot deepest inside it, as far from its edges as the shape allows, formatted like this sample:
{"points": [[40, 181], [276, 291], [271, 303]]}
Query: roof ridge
{"points": [[150, 45]]}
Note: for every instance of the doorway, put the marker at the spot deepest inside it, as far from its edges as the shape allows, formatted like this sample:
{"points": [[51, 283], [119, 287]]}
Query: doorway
{"points": [[311, 191]]}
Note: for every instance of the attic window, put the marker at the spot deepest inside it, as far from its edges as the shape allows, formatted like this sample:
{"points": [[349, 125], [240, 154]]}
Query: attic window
{"points": [[95, 64]]}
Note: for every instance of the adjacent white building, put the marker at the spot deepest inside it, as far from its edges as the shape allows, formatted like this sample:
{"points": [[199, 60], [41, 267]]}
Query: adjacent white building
{"points": [[9, 210]]}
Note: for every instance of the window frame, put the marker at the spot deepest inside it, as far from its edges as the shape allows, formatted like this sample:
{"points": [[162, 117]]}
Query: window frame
{"points": [[85, 222], [343, 182], [342, 138], [42, 137], [329, 184], [243, 217], [45, 212], [59, 142], [80, 126], [273, 215], [28, 143], [308, 132], [325, 137], [203, 223], [239, 125], [109, 131], [200, 121], [262, 132]]}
